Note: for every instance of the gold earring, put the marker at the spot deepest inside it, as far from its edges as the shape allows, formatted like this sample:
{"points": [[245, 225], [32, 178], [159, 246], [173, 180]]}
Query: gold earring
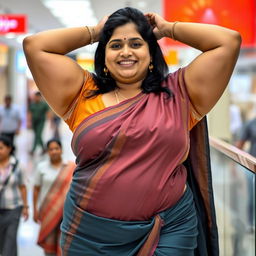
{"points": [[105, 71], [150, 67]]}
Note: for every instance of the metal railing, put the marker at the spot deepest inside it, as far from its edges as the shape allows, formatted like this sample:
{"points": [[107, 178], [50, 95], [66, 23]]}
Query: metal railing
{"points": [[233, 173]]}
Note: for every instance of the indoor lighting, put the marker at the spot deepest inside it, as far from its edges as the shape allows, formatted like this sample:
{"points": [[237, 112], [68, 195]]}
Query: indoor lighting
{"points": [[72, 13]]}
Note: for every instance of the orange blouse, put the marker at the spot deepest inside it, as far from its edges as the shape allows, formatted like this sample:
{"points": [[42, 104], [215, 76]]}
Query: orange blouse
{"points": [[81, 107]]}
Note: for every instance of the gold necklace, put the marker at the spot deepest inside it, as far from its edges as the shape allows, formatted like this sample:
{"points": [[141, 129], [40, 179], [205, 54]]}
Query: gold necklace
{"points": [[116, 91], [117, 99]]}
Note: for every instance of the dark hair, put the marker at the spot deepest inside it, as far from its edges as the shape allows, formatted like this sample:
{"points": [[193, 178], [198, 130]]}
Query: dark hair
{"points": [[51, 141], [8, 143], [8, 97], [153, 81]]}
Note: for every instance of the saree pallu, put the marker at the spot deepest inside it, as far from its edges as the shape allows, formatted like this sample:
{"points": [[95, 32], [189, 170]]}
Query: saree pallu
{"points": [[198, 167], [51, 211]]}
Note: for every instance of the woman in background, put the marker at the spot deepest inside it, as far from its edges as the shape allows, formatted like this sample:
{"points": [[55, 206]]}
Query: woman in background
{"points": [[52, 180], [13, 198]]}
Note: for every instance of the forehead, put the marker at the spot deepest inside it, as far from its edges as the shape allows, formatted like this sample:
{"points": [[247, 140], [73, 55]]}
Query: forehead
{"points": [[125, 31], [2, 144], [54, 144]]}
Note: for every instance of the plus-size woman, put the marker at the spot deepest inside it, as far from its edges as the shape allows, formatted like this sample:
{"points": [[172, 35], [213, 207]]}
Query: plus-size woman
{"points": [[131, 122]]}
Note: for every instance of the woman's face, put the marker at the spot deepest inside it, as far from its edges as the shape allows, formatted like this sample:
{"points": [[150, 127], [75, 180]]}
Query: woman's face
{"points": [[127, 55], [54, 151], [4, 151]]}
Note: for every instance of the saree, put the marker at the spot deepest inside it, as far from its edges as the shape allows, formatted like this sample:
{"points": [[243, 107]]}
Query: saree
{"points": [[130, 174], [51, 211]]}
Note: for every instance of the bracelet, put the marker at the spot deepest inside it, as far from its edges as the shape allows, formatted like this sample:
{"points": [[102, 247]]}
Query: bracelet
{"points": [[91, 33], [172, 31]]}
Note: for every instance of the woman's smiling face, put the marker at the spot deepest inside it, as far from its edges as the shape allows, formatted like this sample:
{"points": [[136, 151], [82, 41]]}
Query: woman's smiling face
{"points": [[127, 55]]}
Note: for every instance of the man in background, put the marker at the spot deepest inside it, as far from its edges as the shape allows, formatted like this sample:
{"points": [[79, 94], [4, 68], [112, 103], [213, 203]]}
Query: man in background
{"points": [[248, 134], [10, 119], [37, 116]]}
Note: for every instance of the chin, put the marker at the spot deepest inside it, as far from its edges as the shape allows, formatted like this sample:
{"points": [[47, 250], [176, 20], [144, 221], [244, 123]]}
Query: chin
{"points": [[129, 79]]}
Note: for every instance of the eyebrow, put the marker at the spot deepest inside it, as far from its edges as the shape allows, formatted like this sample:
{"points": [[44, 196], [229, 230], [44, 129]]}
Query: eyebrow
{"points": [[129, 39]]}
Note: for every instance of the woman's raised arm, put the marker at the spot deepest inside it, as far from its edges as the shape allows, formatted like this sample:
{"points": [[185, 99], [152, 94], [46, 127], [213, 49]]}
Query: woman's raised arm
{"points": [[207, 75], [58, 77]]}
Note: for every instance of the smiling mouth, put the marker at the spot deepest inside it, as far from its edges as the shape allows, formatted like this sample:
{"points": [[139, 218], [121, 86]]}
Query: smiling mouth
{"points": [[126, 63]]}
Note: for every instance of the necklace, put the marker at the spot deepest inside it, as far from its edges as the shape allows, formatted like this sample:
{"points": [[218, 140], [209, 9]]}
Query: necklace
{"points": [[116, 91]]}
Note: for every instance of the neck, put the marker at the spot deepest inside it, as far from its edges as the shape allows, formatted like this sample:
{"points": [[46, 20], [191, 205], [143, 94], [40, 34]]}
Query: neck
{"points": [[129, 90], [56, 162], [4, 162], [129, 86]]}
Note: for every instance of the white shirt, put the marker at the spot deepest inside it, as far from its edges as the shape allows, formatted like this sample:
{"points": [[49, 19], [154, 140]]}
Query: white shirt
{"points": [[45, 176], [9, 119]]}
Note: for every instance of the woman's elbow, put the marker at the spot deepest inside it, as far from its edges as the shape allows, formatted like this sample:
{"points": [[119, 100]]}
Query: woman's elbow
{"points": [[235, 40], [28, 44]]}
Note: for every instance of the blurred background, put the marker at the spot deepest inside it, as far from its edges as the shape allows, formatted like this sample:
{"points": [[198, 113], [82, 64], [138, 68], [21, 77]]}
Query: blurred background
{"points": [[233, 168]]}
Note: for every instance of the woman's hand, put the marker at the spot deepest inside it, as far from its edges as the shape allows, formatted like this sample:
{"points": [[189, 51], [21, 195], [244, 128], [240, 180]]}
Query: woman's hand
{"points": [[157, 23], [25, 213], [98, 28], [36, 216]]}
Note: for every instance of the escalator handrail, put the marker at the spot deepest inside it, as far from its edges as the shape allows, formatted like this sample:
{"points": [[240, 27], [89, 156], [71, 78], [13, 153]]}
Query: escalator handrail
{"points": [[240, 156]]}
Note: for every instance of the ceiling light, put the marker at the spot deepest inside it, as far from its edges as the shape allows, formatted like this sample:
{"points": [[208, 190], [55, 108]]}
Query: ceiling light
{"points": [[142, 4], [72, 13]]}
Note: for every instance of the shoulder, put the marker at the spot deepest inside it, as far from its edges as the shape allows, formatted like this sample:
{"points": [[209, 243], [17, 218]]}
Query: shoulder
{"points": [[250, 125], [173, 79], [88, 86], [42, 166], [16, 109], [15, 164], [176, 83]]}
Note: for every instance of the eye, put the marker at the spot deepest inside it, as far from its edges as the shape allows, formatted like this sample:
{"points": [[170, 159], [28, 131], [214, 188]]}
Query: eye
{"points": [[115, 46], [136, 44]]}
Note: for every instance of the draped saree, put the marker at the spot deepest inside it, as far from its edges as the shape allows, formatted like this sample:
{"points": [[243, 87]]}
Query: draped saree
{"points": [[130, 176], [51, 210]]}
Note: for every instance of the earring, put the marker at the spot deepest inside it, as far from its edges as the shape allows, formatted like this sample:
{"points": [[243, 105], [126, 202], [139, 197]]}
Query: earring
{"points": [[105, 71], [150, 67]]}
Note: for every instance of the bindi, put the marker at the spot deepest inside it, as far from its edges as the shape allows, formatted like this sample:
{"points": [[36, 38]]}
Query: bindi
{"points": [[124, 38]]}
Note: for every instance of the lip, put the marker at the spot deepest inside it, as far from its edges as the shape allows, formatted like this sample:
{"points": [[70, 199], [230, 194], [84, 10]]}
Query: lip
{"points": [[126, 63]]}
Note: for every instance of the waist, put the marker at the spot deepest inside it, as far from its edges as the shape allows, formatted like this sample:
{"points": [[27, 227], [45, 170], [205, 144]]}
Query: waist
{"points": [[106, 233], [132, 199]]}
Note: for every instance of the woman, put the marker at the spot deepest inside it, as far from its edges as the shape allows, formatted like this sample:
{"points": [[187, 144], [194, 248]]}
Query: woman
{"points": [[13, 198], [131, 123], [52, 181]]}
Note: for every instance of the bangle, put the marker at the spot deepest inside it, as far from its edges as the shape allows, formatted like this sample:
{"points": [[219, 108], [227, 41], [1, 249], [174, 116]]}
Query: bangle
{"points": [[91, 33], [172, 31]]}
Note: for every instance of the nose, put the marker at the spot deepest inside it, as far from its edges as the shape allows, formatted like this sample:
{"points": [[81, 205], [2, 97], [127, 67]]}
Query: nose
{"points": [[126, 51]]}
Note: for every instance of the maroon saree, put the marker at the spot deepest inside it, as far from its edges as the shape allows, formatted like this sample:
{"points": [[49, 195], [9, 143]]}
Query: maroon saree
{"points": [[129, 168]]}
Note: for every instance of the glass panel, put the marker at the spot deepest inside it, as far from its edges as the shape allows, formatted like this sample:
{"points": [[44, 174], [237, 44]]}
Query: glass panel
{"points": [[234, 191]]}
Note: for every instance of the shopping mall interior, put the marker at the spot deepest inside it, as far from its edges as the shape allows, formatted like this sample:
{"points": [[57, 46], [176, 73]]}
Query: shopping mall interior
{"points": [[233, 168]]}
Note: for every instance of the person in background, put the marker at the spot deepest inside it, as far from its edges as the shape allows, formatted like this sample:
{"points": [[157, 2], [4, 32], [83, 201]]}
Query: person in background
{"points": [[236, 121], [13, 198], [248, 134], [38, 110], [52, 179], [10, 119], [55, 125], [132, 122]]}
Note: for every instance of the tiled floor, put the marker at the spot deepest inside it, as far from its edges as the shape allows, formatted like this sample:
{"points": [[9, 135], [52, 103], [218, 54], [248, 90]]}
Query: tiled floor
{"points": [[28, 231]]}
